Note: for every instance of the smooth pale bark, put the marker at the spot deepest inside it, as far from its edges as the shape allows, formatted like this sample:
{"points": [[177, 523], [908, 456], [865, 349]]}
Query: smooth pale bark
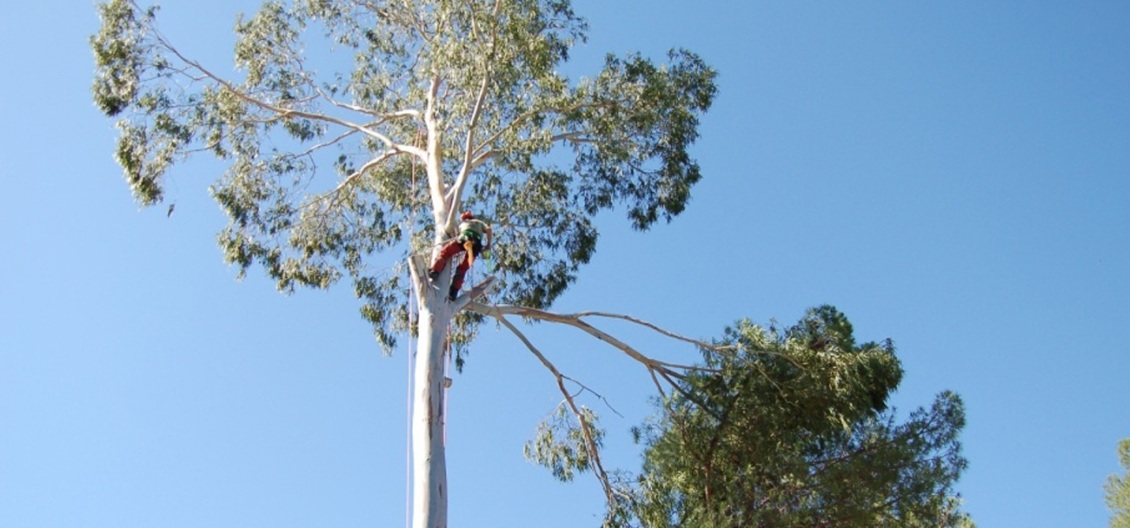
{"points": [[429, 463]]}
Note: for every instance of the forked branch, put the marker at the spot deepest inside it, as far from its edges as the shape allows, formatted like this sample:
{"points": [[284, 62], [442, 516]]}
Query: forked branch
{"points": [[282, 112]]}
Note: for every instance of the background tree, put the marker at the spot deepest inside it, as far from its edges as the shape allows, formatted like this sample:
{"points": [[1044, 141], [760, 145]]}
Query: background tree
{"points": [[791, 428], [1118, 490], [356, 131]]}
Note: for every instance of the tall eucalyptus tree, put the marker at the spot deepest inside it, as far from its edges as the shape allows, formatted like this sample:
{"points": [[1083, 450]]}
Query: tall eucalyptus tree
{"points": [[355, 132]]}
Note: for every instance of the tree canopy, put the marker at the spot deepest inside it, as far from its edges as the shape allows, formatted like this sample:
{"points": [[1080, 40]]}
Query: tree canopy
{"points": [[357, 128]]}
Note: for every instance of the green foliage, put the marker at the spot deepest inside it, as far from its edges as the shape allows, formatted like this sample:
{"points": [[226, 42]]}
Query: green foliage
{"points": [[1118, 489], [342, 107], [792, 429], [560, 445], [119, 56]]}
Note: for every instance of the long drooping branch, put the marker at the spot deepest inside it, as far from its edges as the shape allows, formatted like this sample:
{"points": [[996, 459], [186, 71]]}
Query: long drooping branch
{"points": [[663, 373], [587, 432]]}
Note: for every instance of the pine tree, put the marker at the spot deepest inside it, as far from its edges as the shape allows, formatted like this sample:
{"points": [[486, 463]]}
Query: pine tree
{"points": [[792, 429]]}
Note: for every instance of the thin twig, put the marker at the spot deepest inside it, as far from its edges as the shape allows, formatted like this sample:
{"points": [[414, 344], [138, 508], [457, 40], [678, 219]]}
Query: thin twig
{"points": [[585, 388]]}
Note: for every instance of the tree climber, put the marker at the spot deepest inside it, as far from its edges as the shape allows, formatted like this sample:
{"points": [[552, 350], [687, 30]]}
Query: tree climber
{"points": [[470, 243]]}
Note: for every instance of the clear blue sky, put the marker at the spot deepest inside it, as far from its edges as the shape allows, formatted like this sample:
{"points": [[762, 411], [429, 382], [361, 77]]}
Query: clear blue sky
{"points": [[952, 175]]}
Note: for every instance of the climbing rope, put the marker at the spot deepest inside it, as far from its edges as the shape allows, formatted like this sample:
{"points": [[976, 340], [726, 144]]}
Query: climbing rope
{"points": [[408, 419], [413, 322]]}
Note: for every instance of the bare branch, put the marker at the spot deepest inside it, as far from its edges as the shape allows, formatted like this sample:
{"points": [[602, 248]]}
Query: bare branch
{"points": [[658, 386], [333, 141], [475, 292], [654, 327], [432, 159], [454, 193], [384, 117], [575, 320]]}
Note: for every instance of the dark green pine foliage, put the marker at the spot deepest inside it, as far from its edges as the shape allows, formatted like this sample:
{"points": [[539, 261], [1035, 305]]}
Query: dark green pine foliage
{"points": [[791, 429], [324, 133]]}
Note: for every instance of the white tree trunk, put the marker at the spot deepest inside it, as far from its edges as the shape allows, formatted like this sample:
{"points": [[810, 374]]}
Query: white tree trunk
{"points": [[429, 464]]}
